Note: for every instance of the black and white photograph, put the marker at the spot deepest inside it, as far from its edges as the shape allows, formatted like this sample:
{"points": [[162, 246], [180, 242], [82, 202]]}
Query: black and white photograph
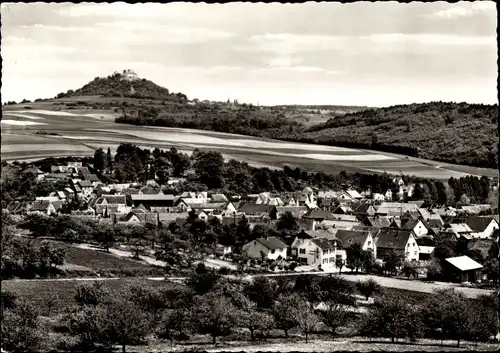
{"points": [[249, 177]]}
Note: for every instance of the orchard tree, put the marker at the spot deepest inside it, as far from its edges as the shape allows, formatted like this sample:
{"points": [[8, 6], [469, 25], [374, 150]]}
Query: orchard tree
{"points": [[335, 315], [287, 222], [355, 256], [284, 312], [368, 287], [214, 314], [21, 329], [254, 320], [307, 320]]}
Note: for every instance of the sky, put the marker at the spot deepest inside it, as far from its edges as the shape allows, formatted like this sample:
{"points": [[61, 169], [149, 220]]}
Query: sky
{"points": [[364, 54]]}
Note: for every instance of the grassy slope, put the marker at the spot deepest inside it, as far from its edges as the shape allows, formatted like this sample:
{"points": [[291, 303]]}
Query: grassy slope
{"points": [[457, 133]]}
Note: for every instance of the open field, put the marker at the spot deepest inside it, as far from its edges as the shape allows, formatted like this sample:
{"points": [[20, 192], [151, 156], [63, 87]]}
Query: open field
{"points": [[39, 292], [80, 132]]}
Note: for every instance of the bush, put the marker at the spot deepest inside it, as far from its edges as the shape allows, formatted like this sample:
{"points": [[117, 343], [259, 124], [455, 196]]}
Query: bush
{"points": [[21, 330], [368, 287]]}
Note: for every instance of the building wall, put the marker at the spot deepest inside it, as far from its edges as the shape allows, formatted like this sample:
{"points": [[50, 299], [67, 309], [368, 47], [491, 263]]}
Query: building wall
{"points": [[420, 229], [411, 249]]}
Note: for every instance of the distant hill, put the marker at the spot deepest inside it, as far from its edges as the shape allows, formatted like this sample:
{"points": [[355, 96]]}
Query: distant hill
{"points": [[458, 133], [124, 84]]}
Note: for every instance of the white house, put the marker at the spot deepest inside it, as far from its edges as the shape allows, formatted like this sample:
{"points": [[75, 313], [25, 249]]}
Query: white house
{"points": [[266, 248], [417, 226], [400, 241], [318, 251], [482, 227], [378, 197], [363, 237]]}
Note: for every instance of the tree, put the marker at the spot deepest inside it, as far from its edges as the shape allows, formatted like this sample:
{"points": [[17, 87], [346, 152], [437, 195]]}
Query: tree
{"points": [[307, 320], [127, 323], [203, 281], [287, 221], [21, 330], [448, 311], [368, 287], [339, 263], [91, 294], [173, 324], [335, 315], [99, 160], [393, 260], [263, 291], [90, 324], [355, 256], [393, 316], [410, 270], [109, 159], [255, 320], [368, 260], [284, 312], [214, 314]]}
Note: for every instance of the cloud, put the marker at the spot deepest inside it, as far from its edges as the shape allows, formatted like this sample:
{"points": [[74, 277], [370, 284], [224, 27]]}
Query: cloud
{"points": [[477, 7], [292, 43], [431, 39]]}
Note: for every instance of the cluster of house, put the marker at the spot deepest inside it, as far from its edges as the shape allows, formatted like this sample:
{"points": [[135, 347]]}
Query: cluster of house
{"points": [[330, 221]]}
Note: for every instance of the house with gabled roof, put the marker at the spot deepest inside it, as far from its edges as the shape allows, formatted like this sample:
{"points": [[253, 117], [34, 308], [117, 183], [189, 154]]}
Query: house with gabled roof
{"points": [[482, 226], [459, 230], [107, 204], [363, 237], [152, 201], [42, 206], [342, 209], [395, 209], [266, 248], [364, 210], [402, 242], [318, 251], [417, 226], [377, 221], [257, 210], [354, 194]]}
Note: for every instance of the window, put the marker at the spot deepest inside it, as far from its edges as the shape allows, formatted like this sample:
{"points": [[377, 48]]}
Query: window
{"points": [[302, 251], [325, 261], [369, 243], [413, 244], [414, 253], [273, 251]]}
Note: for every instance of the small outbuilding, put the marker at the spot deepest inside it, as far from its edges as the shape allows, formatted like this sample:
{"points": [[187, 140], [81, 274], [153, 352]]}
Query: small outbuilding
{"points": [[463, 269]]}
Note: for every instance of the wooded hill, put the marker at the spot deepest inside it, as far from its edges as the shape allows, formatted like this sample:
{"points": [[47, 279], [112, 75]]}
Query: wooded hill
{"points": [[458, 133]]}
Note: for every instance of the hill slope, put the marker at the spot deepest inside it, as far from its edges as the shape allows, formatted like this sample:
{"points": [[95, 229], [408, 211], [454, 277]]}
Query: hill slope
{"points": [[458, 133], [124, 85]]}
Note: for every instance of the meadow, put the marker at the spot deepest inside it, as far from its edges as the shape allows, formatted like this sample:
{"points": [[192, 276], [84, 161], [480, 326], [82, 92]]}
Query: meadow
{"points": [[80, 132]]}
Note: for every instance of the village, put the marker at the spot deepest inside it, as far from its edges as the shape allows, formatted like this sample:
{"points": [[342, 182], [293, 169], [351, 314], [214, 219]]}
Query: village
{"points": [[321, 226]]}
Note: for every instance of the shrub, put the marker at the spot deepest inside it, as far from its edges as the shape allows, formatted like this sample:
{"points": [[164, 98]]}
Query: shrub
{"points": [[368, 287]]}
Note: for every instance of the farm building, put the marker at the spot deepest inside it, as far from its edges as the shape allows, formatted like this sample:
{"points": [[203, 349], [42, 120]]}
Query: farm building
{"points": [[266, 248], [463, 269]]}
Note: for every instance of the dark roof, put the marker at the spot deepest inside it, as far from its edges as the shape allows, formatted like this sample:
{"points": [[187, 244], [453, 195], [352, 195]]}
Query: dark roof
{"points": [[150, 191], [393, 238], [252, 208], [418, 203], [129, 191], [39, 205], [316, 234], [433, 223], [90, 177], [272, 243], [77, 188], [479, 224], [412, 214], [410, 225], [58, 204], [379, 222], [297, 211], [348, 237], [318, 214], [363, 208], [113, 199], [324, 244], [84, 183], [483, 245]]}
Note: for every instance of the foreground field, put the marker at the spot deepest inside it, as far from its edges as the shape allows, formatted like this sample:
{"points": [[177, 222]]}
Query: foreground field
{"points": [[40, 292], [80, 133]]}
